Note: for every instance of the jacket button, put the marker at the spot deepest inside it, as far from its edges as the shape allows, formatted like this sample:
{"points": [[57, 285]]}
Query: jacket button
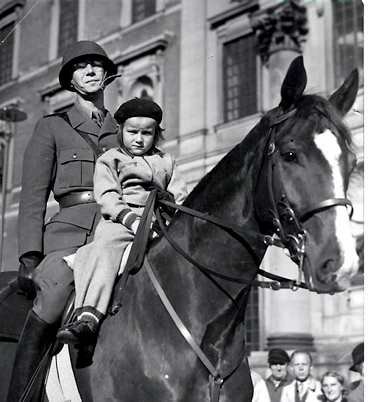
{"points": [[104, 149], [74, 156]]}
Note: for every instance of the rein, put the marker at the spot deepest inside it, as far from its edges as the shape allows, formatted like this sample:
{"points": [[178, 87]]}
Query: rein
{"points": [[278, 282]]}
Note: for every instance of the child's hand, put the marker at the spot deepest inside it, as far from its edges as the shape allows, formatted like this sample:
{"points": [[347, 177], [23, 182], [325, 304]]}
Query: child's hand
{"points": [[135, 225]]}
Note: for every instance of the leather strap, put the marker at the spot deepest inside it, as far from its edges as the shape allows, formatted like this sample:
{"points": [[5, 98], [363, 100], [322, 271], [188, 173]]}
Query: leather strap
{"points": [[178, 322], [278, 282], [76, 198]]}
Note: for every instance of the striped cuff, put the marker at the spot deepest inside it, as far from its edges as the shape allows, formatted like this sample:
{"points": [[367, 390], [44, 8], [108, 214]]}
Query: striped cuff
{"points": [[127, 217]]}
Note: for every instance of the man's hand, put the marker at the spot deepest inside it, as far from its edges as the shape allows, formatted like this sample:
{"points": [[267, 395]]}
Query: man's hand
{"points": [[28, 263]]}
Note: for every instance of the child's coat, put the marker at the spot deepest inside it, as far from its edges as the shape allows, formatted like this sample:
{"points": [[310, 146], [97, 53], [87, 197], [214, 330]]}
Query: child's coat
{"points": [[121, 183]]}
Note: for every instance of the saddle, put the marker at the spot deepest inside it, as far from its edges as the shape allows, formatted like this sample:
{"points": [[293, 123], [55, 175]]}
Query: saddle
{"points": [[14, 307]]}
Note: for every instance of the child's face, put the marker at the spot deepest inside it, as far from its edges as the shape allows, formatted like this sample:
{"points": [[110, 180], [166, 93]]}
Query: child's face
{"points": [[138, 134]]}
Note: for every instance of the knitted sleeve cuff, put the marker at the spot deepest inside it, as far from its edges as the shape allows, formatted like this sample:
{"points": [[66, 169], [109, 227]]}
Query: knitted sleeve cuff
{"points": [[127, 217]]}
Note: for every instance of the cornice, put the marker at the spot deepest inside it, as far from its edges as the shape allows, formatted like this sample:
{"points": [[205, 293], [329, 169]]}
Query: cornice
{"points": [[221, 18]]}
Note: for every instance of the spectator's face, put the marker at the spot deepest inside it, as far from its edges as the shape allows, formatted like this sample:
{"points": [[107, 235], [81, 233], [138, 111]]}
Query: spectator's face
{"points": [[278, 371], [139, 134], [301, 366], [332, 389]]}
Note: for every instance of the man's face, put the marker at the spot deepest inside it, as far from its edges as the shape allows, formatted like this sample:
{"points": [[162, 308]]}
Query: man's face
{"points": [[301, 366], [278, 371], [88, 76]]}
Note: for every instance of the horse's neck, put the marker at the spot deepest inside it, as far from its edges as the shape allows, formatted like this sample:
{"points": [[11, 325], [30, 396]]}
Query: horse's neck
{"points": [[209, 311], [215, 321]]}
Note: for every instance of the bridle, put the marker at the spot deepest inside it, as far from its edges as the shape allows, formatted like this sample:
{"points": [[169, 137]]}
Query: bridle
{"points": [[278, 212]]}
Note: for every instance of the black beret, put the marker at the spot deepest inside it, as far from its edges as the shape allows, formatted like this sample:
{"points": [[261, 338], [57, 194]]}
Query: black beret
{"points": [[138, 107], [278, 356]]}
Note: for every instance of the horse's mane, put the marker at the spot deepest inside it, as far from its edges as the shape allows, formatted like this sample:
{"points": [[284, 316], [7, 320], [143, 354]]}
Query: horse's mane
{"points": [[240, 164], [310, 105]]}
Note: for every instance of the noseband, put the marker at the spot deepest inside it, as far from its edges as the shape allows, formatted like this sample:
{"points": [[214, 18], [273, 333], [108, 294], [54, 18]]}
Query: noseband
{"points": [[284, 221]]}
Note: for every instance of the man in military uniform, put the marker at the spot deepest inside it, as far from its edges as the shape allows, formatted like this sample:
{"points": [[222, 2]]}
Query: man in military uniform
{"points": [[60, 157]]}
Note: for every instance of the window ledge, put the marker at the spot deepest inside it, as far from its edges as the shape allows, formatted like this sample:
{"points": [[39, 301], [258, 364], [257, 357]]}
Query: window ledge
{"points": [[10, 6], [220, 19], [159, 42], [8, 84], [239, 123]]}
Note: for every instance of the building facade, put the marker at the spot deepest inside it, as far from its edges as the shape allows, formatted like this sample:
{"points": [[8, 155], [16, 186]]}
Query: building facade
{"points": [[215, 66]]}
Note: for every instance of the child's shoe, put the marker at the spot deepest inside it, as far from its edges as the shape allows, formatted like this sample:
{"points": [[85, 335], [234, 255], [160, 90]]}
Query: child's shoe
{"points": [[82, 331]]}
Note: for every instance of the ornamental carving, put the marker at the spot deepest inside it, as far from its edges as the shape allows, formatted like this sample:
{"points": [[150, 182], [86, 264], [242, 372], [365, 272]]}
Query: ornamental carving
{"points": [[283, 27]]}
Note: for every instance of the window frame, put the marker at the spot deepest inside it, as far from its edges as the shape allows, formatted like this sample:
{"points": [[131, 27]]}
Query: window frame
{"points": [[133, 21], [55, 25], [231, 30], [9, 14], [336, 54], [225, 83]]}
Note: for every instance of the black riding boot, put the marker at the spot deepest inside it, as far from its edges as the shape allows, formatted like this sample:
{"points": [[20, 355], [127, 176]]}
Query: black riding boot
{"points": [[36, 338]]}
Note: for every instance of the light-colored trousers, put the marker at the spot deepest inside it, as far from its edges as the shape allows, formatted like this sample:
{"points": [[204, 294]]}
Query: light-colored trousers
{"points": [[96, 265]]}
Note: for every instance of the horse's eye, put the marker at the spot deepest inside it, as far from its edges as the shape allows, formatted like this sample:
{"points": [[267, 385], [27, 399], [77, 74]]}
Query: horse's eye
{"points": [[289, 156]]}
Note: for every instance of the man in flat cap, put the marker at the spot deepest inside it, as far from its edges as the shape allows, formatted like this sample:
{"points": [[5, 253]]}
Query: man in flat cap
{"points": [[278, 361], [60, 158], [357, 392]]}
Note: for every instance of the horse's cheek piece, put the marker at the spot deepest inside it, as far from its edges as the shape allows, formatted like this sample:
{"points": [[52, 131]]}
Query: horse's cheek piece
{"points": [[286, 224]]}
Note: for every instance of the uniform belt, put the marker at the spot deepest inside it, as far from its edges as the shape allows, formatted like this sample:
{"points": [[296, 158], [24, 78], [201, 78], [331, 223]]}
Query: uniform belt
{"points": [[76, 198]]}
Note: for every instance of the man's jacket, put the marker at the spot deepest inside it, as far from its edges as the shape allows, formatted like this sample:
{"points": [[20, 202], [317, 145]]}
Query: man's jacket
{"points": [[57, 159]]}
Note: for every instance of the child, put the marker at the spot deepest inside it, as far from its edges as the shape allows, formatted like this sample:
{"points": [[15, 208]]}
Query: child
{"points": [[122, 180]]}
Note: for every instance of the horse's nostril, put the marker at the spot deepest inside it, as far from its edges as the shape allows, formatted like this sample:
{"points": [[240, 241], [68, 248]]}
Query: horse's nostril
{"points": [[327, 273], [328, 266]]}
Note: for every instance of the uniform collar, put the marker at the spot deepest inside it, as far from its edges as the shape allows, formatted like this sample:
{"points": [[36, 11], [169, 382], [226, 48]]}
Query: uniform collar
{"points": [[79, 119]]}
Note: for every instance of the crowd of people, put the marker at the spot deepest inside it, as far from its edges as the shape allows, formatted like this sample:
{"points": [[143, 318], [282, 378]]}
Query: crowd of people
{"points": [[291, 379]]}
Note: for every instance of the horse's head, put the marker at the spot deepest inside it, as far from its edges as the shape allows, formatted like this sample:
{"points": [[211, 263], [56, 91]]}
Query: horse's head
{"points": [[302, 182]]}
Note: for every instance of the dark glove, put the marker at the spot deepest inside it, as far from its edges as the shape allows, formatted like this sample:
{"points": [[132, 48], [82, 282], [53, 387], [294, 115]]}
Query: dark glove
{"points": [[28, 263], [163, 195]]}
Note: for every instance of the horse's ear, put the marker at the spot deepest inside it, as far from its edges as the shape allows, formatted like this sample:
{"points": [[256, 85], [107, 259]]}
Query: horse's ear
{"points": [[344, 97], [294, 83]]}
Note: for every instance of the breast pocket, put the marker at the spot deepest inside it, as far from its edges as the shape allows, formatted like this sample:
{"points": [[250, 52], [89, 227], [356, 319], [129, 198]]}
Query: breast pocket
{"points": [[75, 168]]}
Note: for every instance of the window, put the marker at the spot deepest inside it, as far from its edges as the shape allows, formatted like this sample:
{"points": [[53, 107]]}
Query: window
{"points": [[240, 78], [6, 54], [142, 88], [68, 24], [252, 334], [142, 9], [348, 38]]}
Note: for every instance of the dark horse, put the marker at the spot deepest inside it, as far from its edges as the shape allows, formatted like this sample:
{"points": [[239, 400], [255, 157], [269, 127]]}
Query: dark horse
{"points": [[141, 355], [294, 163]]}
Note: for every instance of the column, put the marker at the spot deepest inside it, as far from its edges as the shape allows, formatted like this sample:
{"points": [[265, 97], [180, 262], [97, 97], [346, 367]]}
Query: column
{"points": [[287, 313], [281, 31], [192, 77]]}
